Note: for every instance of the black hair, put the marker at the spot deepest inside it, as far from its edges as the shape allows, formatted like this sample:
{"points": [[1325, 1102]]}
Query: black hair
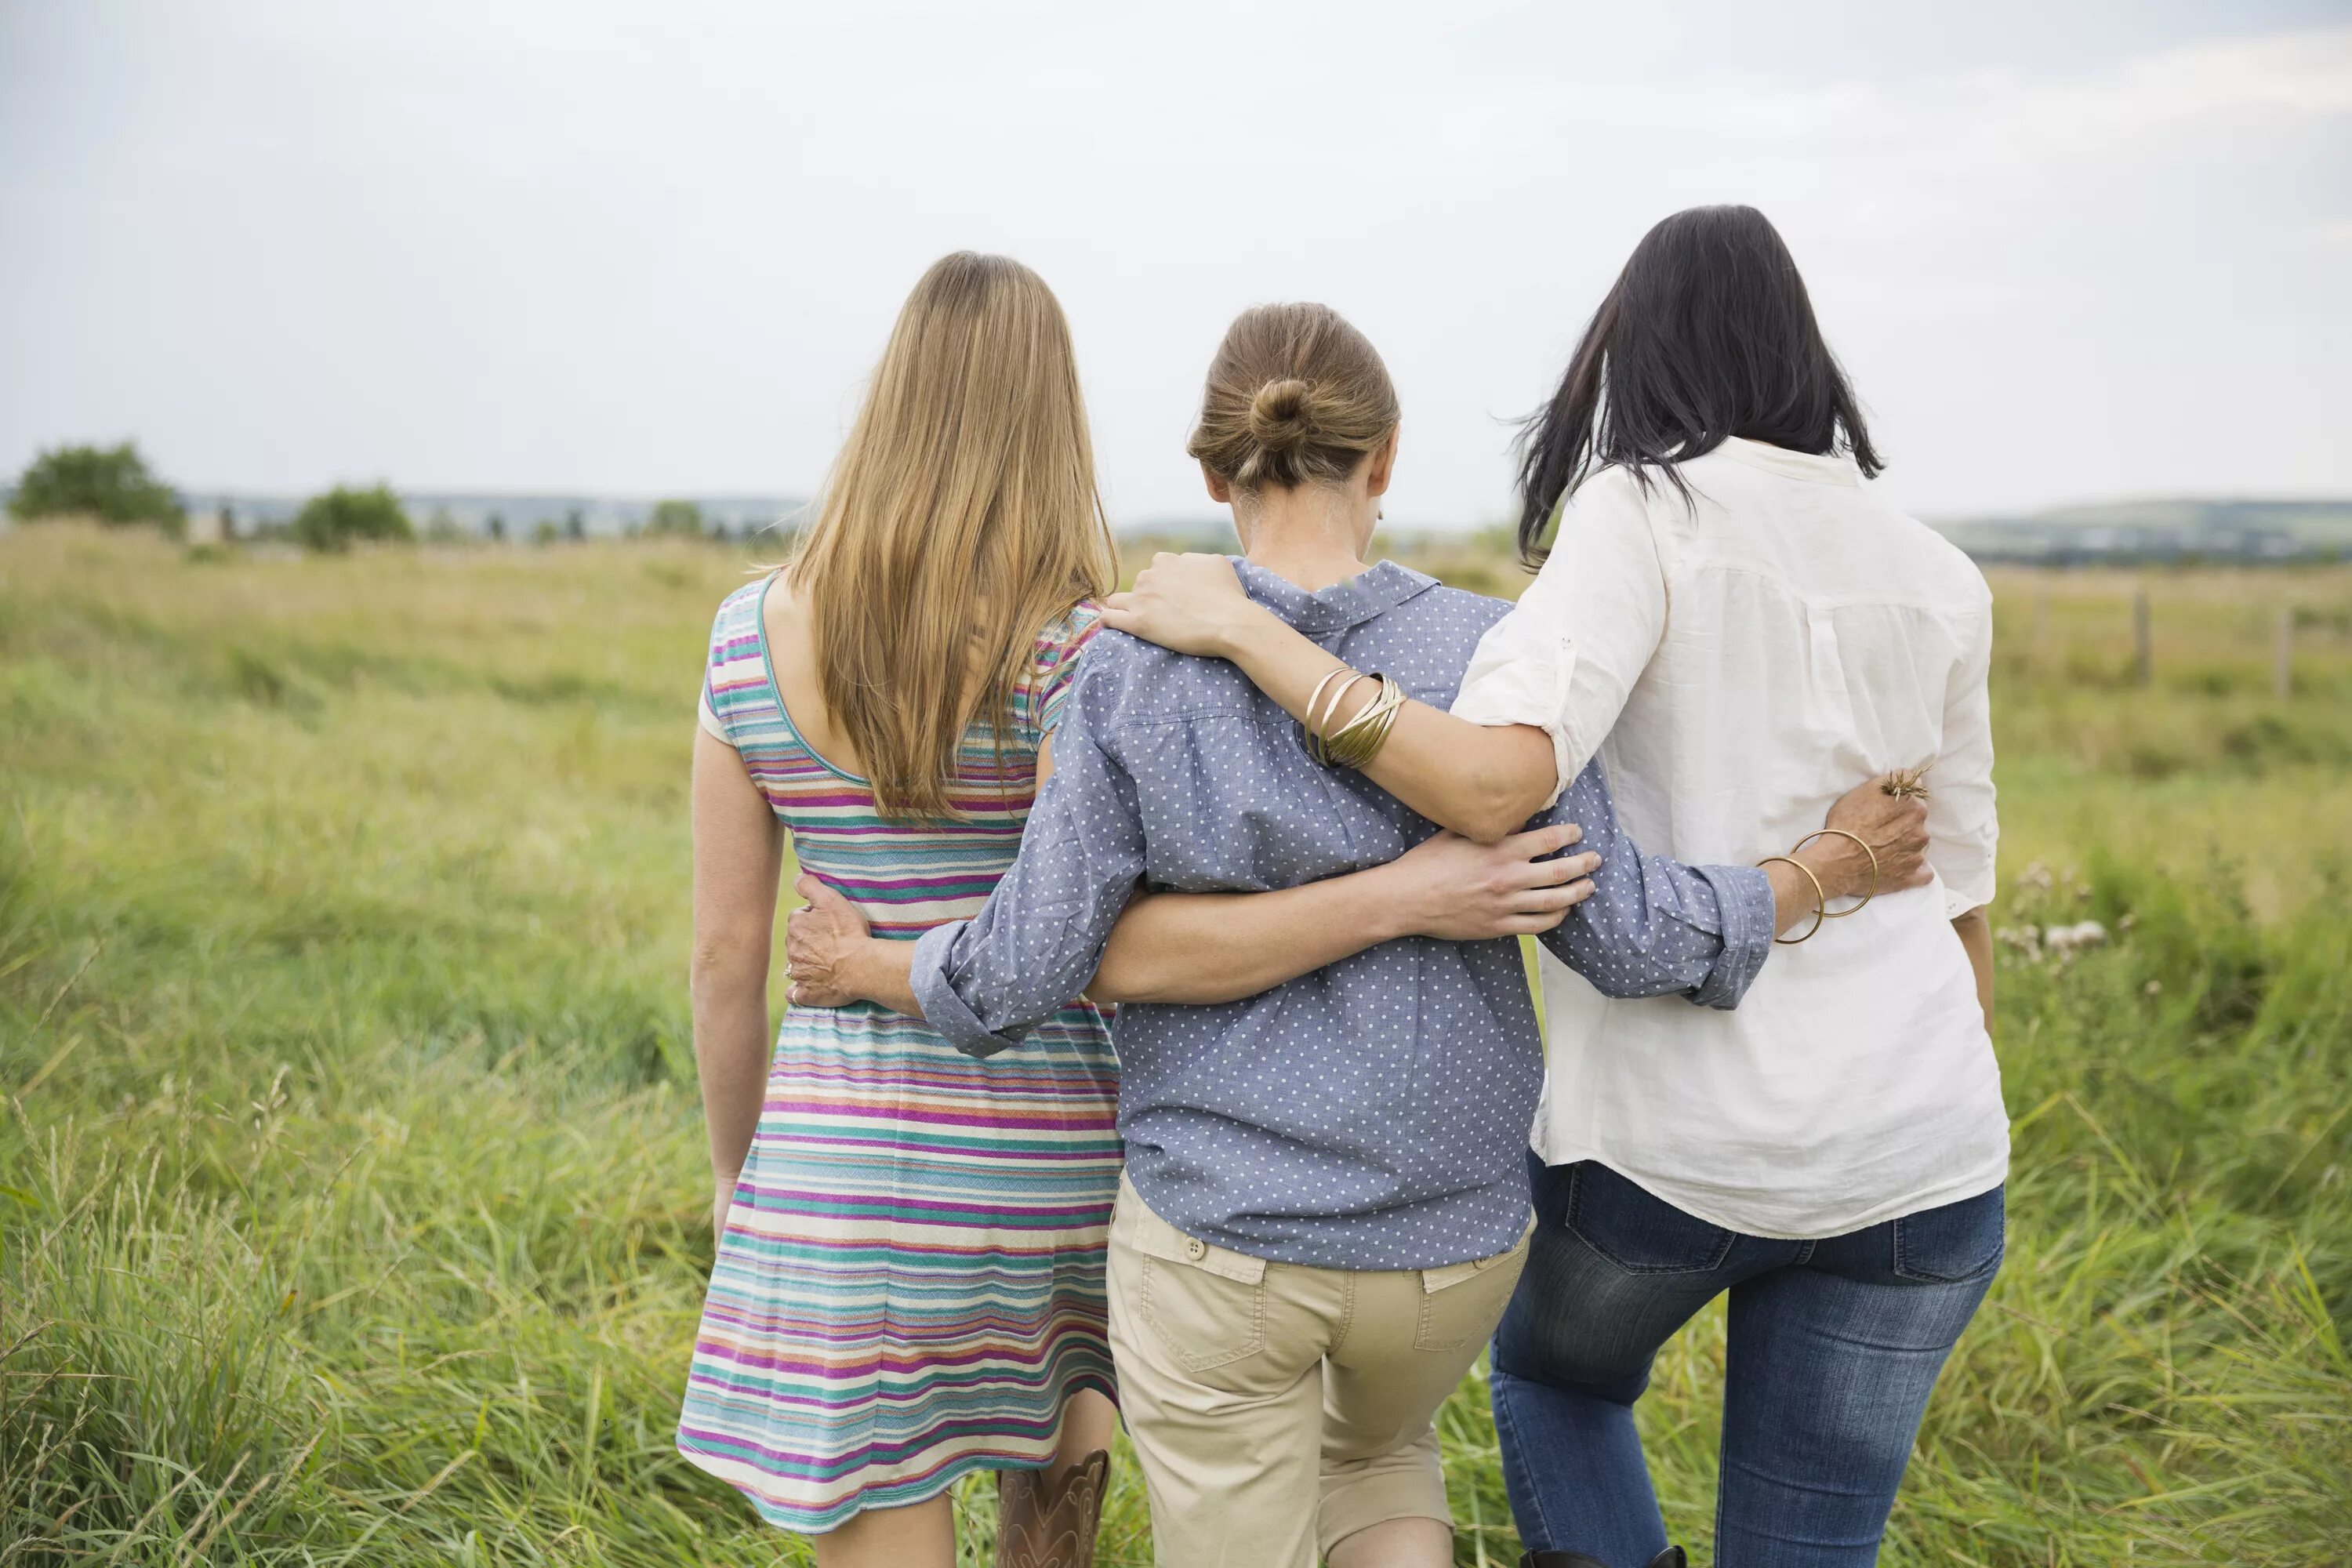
{"points": [[1707, 333]]}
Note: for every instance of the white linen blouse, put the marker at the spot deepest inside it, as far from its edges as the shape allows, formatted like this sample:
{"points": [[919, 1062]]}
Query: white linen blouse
{"points": [[1738, 661]]}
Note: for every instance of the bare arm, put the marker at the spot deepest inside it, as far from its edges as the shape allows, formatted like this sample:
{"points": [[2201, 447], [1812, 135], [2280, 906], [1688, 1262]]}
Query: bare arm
{"points": [[738, 861], [1202, 948], [1205, 948], [1975, 928]]}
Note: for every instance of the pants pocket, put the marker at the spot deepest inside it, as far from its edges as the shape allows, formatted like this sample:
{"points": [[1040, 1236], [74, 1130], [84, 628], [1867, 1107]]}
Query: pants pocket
{"points": [[1953, 1241], [1638, 1233], [1204, 1319], [1465, 1302]]}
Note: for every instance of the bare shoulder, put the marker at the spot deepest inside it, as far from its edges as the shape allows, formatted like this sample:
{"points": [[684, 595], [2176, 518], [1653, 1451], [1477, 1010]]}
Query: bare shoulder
{"points": [[780, 607], [787, 623]]}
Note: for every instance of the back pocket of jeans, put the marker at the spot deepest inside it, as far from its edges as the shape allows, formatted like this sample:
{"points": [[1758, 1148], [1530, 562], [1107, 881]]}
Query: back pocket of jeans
{"points": [[1955, 1241], [1638, 1232]]}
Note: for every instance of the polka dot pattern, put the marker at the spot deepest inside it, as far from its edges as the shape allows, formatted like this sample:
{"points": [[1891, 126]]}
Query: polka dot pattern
{"points": [[1373, 1114]]}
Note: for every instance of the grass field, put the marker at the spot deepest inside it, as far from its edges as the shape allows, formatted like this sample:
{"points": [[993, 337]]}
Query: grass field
{"points": [[352, 1205]]}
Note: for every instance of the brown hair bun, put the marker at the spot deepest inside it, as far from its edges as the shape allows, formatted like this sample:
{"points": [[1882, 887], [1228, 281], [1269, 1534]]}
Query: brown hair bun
{"points": [[1295, 395], [1279, 414]]}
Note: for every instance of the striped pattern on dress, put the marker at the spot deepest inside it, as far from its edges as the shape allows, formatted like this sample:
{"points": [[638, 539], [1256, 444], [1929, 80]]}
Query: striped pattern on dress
{"points": [[911, 1279]]}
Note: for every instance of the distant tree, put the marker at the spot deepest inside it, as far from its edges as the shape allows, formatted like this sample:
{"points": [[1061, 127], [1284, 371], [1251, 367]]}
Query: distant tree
{"points": [[227, 522], [575, 525], [497, 526], [332, 521], [677, 518], [442, 527], [545, 531], [112, 484]]}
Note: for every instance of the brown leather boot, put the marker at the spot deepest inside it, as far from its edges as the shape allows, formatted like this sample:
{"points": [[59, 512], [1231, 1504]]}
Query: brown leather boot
{"points": [[1042, 1526]]}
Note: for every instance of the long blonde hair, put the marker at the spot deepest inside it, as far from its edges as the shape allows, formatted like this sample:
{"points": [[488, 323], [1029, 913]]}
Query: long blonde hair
{"points": [[960, 518]]}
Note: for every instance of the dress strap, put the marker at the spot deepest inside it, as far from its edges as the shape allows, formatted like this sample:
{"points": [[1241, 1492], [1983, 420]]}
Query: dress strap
{"points": [[738, 694]]}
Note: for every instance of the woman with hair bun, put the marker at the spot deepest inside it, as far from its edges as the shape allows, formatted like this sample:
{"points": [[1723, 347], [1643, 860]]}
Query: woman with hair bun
{"points": [[1326, 1197]]}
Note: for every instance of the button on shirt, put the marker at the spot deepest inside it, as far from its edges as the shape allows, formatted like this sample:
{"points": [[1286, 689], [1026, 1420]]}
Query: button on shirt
{"points": [[1737, 661], [1370, 1115]]}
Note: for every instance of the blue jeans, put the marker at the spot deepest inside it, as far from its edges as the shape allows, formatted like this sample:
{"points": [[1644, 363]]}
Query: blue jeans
{"points": [[1834, 1346]]}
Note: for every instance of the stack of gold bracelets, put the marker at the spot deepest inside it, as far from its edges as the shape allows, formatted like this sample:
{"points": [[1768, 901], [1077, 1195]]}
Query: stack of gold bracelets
{"points": [[1356, 743], [1821, 910]]}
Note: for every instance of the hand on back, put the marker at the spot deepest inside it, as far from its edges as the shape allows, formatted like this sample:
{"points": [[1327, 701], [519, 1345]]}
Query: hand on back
{"points": [[818, 940], [1188, 603], [1895, 828]]}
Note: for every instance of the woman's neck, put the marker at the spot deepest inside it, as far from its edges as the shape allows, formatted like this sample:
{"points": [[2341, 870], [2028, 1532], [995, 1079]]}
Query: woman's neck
{"points": [[1313, 537]]}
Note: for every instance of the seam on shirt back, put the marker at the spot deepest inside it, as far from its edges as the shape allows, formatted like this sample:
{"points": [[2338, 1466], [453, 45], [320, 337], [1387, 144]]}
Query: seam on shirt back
{"points": [[1975, 604]]}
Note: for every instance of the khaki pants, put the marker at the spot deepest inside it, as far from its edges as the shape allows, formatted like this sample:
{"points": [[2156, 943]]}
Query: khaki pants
{"points": [[1277, 1409]]}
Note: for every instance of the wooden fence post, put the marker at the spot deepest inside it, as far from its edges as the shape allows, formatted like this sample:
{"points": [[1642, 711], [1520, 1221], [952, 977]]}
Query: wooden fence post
{"points": [[2143, 639], [2282, 676]]}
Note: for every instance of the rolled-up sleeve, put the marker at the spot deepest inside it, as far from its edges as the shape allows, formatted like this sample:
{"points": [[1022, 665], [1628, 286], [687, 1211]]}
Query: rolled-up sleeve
{"points": [[986, 982], [1654, 926], [1963, 827], [1565, 657]]}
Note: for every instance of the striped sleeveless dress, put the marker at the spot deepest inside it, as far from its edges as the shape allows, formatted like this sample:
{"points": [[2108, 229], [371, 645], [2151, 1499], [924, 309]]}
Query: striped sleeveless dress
{"points": [[910, 1280]]}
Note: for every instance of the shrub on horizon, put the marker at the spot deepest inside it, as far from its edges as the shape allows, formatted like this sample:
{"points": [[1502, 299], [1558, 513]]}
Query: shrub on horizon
{"points": [[332, 521], [112, 484], [678, 519]]}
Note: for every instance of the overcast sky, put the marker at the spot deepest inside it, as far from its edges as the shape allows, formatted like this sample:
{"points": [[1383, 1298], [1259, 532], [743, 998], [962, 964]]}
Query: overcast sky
{"points": [[2070, 249]]}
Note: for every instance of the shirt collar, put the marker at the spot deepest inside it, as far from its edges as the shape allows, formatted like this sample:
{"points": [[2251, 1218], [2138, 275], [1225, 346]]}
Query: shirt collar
{"points": [[1823, 468], [1370, 593]]}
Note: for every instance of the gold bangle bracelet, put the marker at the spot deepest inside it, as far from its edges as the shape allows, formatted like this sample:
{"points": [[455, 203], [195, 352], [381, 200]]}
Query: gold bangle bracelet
{"points": [[1314, 702], [1358, 740], [1388, 724], [1345, 745], [1842, 833], [1337, 745], [1380, 737], [1318, 745], [1365, 742], [1314, 699], [1821, 899], [1342, 746]]}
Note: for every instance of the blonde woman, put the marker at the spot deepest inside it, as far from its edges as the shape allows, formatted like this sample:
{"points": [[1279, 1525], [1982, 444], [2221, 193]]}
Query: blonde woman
{"points": [[909, 1282]]}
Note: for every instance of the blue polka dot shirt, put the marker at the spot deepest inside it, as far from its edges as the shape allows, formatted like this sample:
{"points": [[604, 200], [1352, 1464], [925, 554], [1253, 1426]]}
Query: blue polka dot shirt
{"points": [[1373, 1114]]}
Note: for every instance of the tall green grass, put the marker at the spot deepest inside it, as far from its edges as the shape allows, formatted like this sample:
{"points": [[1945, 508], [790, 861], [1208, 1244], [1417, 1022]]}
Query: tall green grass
{"points": [[352, 1198]]}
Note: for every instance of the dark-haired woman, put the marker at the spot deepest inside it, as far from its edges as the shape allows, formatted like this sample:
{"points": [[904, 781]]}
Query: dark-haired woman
{"points": [[1735, 628]]}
